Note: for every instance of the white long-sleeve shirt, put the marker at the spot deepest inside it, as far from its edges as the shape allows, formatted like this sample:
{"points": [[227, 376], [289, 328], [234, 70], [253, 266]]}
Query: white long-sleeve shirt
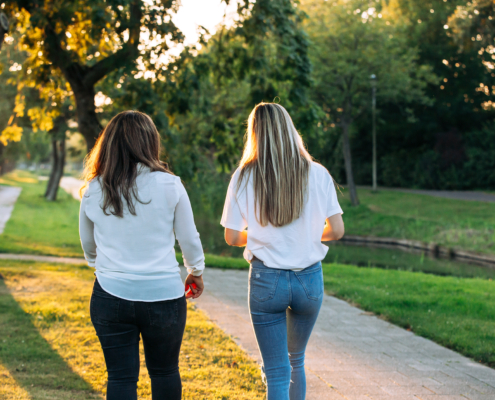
{"points": [[134, 256]]}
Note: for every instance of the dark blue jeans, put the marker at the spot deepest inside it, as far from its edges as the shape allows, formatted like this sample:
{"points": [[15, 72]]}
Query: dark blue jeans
{"points": [[118, 324], [284, 307]]}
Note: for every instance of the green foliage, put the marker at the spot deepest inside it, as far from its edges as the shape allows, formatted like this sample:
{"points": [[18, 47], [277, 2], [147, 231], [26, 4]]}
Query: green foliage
{"points": [[352, 40], [74, 45], [201, 101], [473, 24]]}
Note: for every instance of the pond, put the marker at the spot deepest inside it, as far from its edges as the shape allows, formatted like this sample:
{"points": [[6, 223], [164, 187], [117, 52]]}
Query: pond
{"points": [[388, 258]]}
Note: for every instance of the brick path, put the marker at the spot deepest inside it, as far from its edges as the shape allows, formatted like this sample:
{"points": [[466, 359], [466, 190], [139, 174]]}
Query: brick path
{"points": [[354, 355]]}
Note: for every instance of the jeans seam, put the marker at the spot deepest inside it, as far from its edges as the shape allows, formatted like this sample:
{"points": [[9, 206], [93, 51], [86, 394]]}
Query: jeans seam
{"points": [[148, 308], [289, 286]]}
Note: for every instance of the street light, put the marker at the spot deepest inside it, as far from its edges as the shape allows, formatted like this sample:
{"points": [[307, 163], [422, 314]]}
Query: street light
{"points": [[373, 112]]}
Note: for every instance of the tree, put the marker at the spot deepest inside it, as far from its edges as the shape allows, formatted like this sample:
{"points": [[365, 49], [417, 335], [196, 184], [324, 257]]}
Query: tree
{"points": [[350, 41], [473, 27], [82, 42], [202, 100], [4, 27], [474, 22]]}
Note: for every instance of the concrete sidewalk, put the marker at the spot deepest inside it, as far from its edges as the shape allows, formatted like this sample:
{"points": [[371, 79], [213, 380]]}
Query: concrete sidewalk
{"points": [[8, 197], [354, 355]]}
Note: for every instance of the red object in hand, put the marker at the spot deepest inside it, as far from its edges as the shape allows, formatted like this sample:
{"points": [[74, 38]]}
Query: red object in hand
{"points": [[189, 292]]}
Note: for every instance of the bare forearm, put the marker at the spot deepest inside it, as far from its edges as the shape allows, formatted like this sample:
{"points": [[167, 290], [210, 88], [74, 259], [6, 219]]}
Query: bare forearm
{"points": [[236, 238], [334, 228]]}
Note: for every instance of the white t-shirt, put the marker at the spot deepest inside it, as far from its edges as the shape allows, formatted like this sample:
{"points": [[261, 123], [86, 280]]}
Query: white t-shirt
{"points": [[134, 256], [293, 246]]}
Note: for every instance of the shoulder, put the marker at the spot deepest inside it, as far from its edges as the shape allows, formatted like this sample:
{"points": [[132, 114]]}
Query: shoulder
{"points": [[171, 183], [164, 177], [92, 187], [319, 171], [236, 175]]}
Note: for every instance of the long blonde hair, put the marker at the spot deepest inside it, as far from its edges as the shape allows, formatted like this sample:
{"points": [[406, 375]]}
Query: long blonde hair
{"points": [[275, 154]]}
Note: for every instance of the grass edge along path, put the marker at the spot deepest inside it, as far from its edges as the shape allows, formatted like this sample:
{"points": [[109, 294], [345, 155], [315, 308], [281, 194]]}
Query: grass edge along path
{"points": [[457, 313], [37, 226], [48, 348]]}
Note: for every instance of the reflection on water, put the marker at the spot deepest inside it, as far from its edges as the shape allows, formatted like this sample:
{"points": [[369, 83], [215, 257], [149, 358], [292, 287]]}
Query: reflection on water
{"points": [[364, 256]]}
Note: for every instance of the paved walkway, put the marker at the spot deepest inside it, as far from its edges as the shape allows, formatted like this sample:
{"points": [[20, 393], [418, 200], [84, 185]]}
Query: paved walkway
{"points": [[354, 355], [8, 197], [71, 185]]}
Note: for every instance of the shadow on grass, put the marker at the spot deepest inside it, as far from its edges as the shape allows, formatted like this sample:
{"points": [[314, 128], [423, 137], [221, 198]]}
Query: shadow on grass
{"points": [[30, 359]]}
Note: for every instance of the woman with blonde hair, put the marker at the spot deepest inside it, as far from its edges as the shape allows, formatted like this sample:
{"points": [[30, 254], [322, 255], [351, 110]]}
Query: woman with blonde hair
{"points": [[289, 204], [132, 211]]}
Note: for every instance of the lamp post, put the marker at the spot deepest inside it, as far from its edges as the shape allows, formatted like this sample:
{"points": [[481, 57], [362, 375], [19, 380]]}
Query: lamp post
{"points": [[373, 112]]}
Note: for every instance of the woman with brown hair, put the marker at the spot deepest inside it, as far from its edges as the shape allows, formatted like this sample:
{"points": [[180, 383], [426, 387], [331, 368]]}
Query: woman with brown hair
{"points": [[289, 204], [132, 210]]}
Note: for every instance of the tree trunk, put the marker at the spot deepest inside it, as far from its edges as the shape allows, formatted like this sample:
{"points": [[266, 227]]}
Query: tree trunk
{"points": [[88, 124], [4, 27], [346, 148], [58, 163], [2, 161]]}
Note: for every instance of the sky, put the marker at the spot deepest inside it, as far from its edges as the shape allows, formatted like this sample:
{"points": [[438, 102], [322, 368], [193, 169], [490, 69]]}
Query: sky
{"points": [[207, 13]]}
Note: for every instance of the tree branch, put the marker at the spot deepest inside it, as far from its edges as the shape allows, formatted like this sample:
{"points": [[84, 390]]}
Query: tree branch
{"points": [[129, 50]]}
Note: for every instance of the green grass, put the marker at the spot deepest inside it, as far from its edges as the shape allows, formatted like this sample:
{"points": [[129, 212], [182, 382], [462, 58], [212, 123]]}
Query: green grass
{"points": [[467, 225], [49, 350], [38, 226]]}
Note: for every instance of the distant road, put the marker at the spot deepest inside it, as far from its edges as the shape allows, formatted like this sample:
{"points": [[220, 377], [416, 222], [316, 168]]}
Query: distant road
{"points": [[8, 197], [72, 186], [447, 194]]}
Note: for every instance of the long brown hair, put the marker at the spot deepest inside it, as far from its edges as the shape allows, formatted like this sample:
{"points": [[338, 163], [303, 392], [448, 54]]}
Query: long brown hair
{"points": [[129, 138], [275, 154]]}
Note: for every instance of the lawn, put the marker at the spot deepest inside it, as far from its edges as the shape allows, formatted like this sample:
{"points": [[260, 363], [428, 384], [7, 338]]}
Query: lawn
{"points": [[467, 225], [38, 226], [48, 348]]}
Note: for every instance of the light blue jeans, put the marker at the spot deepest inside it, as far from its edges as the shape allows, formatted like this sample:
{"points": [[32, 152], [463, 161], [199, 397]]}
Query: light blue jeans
{"points": [[284, 306]]}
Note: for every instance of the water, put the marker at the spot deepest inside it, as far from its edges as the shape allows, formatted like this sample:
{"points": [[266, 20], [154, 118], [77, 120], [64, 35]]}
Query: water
{"points": [[364, 256]]}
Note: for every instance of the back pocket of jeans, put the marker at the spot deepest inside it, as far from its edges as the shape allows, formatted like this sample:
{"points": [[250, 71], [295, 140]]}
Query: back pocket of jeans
{"points": [[312, 283], [163, 314], [104, 308], [263, 284]]}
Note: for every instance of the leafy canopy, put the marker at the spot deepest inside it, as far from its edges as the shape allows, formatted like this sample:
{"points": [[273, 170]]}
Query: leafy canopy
{"points": [[351, 40]]}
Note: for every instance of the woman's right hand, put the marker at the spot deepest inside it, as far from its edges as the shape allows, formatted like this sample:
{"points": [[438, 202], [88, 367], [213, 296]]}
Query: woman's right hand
{"points": [[198, 280]]}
